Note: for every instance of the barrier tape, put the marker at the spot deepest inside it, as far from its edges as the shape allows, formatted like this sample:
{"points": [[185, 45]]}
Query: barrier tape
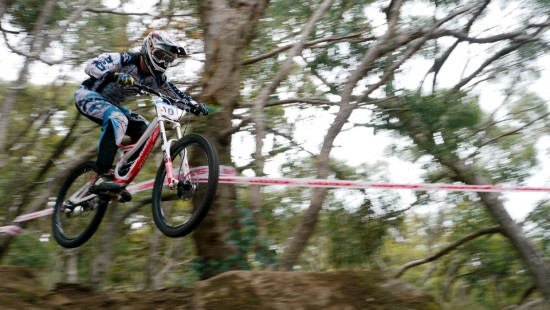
{"points": [[31, 216], [228, 176], [367, 185], [11, 230]]}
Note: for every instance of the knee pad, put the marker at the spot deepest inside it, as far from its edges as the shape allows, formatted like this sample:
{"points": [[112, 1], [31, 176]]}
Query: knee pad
{"points": [[118, 121]]}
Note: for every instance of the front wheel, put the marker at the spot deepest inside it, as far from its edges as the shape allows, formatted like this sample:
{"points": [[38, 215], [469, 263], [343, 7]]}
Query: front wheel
{"points": [[177, 212], [77, 213]]}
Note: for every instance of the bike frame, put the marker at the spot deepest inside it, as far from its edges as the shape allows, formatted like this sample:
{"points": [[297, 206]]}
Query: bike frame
{"points": [[150, 137], [157, 128]]}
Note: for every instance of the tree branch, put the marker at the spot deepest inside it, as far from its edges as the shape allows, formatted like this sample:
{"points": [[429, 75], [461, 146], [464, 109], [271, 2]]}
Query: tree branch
{"points": [[115, 12], [519, 42], [306, 44], [517, 36], [230, 131], [509, 133], [449, 248], [438, 63], [313, 101], [290, 140]]}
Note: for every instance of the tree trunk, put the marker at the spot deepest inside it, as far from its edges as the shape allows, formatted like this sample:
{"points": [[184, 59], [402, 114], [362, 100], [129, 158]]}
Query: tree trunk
{"points": [[41, 198], [152, 280], [532, 257], [9, 101], [306, 226], [228, 29], [255, 195], [4, 5], [23, 72], [71, 265], [105, 243], [11, 96]]}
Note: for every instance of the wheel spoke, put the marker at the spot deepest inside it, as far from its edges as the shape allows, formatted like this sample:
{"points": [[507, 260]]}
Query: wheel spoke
{"points": [[77, 214], [178, 211]]}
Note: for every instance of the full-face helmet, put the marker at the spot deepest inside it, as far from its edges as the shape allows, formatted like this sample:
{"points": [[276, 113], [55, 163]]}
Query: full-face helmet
{"points": [[159, 50]]}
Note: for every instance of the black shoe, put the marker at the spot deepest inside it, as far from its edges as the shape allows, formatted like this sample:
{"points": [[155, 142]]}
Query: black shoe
{"points": [[124, 169], [105, 183]]}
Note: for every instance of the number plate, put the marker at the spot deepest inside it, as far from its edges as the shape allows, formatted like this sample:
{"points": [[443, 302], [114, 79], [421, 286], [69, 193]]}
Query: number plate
{"points": [[168, 111]]}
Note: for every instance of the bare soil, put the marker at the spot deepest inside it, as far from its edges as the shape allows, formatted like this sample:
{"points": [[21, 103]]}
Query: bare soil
{"points": [[19, 289], [243, 290]]}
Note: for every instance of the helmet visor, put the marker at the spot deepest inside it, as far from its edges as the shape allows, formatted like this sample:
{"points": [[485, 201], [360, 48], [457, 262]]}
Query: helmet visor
{"points": [[162, 58]]}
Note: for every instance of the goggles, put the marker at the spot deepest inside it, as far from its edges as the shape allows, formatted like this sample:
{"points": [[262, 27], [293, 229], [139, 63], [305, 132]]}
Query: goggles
{"points": [[162, 57]]}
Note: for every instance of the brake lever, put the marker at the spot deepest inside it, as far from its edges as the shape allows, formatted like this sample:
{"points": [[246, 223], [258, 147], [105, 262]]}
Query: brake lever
{"points": [[148, 91]]}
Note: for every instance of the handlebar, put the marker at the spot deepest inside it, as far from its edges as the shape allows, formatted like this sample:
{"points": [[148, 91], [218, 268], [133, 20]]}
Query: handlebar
{"points": [[173, 101], [149, 91]]}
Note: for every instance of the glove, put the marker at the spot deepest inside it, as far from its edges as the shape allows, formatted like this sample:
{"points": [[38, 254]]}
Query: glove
{"points": [[199, 108], [123, 79], [204, 109]]}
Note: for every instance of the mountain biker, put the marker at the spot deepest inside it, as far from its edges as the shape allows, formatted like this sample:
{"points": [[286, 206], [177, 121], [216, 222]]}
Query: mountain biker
{"points": [[112, 77]]}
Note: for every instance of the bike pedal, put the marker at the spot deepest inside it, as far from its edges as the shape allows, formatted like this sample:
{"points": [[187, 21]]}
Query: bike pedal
{"points": [[124, 196], [106, 196]]}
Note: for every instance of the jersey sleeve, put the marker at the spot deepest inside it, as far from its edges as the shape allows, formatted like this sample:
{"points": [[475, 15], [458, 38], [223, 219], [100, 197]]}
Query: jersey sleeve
{"points": [[170, 89], [104, 63]]}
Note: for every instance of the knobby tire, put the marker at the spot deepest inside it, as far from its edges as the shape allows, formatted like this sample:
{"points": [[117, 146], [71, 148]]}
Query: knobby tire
{"points": [[202, 198], [87, 230]]}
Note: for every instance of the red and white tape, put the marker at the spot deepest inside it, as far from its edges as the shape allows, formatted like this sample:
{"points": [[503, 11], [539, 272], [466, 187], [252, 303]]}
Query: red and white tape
{"points": [[11, 230], [228, 176], [367, 185], [32, 216]]}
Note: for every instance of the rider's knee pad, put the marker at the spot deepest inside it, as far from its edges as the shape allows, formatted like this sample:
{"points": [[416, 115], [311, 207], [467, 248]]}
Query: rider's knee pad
{"points": [[118, 120]]}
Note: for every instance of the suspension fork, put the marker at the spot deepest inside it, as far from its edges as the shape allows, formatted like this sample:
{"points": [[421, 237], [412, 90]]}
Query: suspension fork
{"points": [[172, 180]]}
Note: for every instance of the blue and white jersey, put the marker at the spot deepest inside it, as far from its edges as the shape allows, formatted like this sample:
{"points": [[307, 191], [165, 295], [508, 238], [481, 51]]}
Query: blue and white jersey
{"points": [[126, 62]]}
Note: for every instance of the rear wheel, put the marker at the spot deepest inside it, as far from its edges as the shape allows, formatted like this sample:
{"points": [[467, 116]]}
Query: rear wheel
{"points": [[177, 212], [77, 213]]}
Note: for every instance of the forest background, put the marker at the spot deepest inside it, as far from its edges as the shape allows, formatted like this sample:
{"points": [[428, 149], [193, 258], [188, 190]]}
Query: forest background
{"points": [[310, 89]]}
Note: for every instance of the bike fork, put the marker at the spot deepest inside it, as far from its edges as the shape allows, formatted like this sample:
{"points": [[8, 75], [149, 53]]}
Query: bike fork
{"points": [[172, 180]]}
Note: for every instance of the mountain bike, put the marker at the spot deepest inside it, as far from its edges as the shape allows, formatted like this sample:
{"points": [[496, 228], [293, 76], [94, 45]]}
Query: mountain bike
{"points": [[184, 188]]}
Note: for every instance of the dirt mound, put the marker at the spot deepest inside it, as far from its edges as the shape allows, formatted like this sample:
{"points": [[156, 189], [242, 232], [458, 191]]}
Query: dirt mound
{"points": [[338, 290], [232, 290], [19, 289]]}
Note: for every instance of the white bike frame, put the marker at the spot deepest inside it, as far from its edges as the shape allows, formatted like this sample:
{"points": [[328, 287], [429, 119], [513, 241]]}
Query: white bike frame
{"points": [[166, 114]]}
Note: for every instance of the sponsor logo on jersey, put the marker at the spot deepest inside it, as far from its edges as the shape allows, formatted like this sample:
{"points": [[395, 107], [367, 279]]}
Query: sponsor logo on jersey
{"points": [[126, 58]]}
